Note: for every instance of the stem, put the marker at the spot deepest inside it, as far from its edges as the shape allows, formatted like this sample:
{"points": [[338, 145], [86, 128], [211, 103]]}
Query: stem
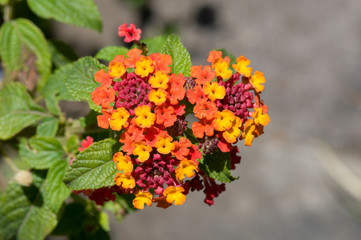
{"points": [[8, 13]]}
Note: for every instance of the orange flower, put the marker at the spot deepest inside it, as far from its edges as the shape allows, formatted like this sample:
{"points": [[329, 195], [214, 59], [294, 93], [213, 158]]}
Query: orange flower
{"points": [[181, 148], [175, 195], [256, 80], [103, 96], [124, 181], [202, 76], [176, 89], [144, 117], [242, 66], [133, 56], [196, 94], [205, 109], [214, 91], [103, 120], [223, 120], [202, 127], [123, 163], [142, 198], [161, 62], [102, 77], [143, 67], [165, 115], [116, 67], [185, 168], [142, 150], [119, 119], [214, 56]]}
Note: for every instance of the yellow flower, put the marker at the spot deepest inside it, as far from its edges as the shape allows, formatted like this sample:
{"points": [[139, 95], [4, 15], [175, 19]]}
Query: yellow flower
{"points": [[221, 69], [142, 198], [143, 67], [241, 66], [142, 150], [260, 118], [116, 67], [164, 145], [256, 80], [230, 135], [119, 119], [123, 163], [158, 96], [175, 195], [247, 133], [223, 120], [159, 80], [214, 91], [186, 168], [124, 181], [144, 117]]}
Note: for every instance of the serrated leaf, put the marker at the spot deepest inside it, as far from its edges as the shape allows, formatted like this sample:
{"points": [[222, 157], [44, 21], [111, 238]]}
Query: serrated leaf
{"points": [[217, 166], [20, 39], [181, 60], [83, 13], [93, 168], [41, 152], [155, 44], [30, 213], [61, 53], [80, 82], [55, 89], [17, 110], [109, 52], [48, 127]]}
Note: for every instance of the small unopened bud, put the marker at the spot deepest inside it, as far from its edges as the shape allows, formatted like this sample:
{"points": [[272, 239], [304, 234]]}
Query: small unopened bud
{"points": [[24, 178]]}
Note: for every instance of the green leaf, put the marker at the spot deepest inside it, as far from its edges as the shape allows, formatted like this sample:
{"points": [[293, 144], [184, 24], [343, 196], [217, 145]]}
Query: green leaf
{"points": [[55, 89], [30, 213], [17, 110], [109, 52], [41, 152], [155, 44], [61, 53], [93, 168], [72, 145], [217, 166], [80, 82], [181, 60], [3, 2], [83, 13], [48, 127], [21, 42]]}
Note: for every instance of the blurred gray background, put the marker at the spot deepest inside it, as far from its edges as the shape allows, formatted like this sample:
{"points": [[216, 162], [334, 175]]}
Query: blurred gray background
{"points": [[301, 180]]}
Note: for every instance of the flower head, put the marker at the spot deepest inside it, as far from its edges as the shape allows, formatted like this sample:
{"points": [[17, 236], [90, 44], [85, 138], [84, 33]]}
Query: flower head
{"points": [[143, 67], [86, 143], [103, 96], [142, 150], [116, 67], [158, 96], [256, 80], [123, 163], [102, 77], [223, 120], [205, 109], [202, 76], [186, 168], [214, 91], [130, 33], [124, 181], [159, 80]]}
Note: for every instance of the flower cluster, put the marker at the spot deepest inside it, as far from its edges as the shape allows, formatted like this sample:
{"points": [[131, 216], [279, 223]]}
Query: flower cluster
{"points": [[146, 105]]}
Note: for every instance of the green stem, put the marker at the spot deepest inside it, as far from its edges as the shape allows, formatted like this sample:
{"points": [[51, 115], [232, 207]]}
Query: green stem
{"points": [[8, 160], [8, 13]]}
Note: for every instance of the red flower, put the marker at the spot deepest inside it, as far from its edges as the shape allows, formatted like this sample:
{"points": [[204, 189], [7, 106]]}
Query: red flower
{"points": [[130, 33], [86, 143]]}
